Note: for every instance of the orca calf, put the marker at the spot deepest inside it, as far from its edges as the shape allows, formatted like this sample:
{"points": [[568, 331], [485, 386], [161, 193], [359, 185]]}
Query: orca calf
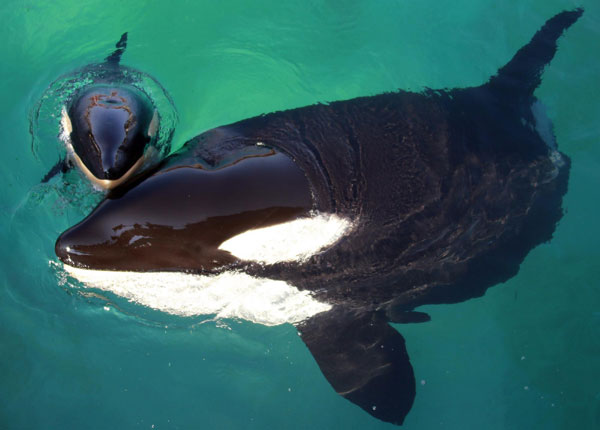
{"points": [[109, 126], [365, 208]]}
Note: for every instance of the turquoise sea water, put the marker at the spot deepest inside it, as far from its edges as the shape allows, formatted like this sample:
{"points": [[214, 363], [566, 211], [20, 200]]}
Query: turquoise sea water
{"points": [[526, 355]]}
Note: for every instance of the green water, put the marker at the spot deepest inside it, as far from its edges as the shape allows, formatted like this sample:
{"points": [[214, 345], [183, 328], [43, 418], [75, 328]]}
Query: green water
{"points": [[526, 355]]}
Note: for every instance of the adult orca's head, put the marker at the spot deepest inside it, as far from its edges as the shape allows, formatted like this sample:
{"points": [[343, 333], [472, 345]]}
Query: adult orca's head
{"points": [[110, 128]]}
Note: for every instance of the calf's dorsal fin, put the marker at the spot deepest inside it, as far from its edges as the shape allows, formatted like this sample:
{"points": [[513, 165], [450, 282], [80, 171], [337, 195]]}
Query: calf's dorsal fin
{"points": [[115, 57]]}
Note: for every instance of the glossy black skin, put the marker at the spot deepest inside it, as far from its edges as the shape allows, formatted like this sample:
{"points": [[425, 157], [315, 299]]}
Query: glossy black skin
{"points": [[177, 218], [110, 128], [448, 190]]}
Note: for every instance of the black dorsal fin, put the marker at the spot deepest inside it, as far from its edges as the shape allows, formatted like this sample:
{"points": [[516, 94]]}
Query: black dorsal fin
{"points": [[522, 74], [121, 45]]}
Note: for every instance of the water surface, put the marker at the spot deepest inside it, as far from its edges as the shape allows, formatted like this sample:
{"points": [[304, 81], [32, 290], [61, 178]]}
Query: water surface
{"points": [[523, 356]]}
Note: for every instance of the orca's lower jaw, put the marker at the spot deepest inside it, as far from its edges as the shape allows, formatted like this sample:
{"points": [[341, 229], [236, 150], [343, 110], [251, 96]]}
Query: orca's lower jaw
{"points": [[230, 294]]}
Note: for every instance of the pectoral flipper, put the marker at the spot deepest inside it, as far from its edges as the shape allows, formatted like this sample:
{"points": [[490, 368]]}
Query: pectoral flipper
{"points": [[364, 359]]}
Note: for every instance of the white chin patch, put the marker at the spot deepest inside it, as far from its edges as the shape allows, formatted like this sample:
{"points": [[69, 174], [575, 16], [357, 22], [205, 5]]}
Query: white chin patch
{"points": [[228, 295], [296, 240]]}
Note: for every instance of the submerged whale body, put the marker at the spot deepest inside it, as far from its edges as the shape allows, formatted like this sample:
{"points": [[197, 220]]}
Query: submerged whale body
{"points": [[439, 195]]}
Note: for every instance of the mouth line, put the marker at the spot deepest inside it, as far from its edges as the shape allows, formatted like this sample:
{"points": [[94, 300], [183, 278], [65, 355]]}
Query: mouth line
{"points": [[105, 184]]}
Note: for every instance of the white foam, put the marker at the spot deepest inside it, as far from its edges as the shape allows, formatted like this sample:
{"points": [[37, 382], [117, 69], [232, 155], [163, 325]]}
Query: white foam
{"points": [[228, 295], [65, 125], [296, 240]]}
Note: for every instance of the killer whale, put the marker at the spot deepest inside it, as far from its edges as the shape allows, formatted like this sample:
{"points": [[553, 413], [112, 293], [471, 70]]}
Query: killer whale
{"points": [[443, 193], [109, 125]]}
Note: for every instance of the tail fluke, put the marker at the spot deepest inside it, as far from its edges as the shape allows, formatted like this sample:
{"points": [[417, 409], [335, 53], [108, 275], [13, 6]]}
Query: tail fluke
{"points": [[522, 75], [121, 45]]}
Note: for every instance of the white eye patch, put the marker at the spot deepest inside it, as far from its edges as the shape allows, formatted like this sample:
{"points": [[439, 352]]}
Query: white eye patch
{"points": [[295, 240]]}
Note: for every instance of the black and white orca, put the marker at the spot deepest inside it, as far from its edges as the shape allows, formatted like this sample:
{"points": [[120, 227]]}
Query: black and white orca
{"points": [[341, 218], [109, 126]]}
